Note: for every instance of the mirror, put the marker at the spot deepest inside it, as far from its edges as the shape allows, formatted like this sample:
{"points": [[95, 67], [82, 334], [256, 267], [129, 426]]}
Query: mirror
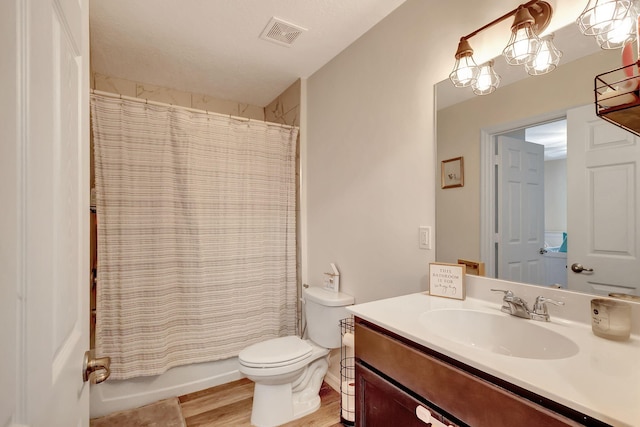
{"points": [[521, 101]]}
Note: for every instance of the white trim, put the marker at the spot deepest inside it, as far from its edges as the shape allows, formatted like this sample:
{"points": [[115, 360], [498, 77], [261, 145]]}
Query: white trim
{"points": [[304, 242], [332, 381], [487, 181], [487, 204]]}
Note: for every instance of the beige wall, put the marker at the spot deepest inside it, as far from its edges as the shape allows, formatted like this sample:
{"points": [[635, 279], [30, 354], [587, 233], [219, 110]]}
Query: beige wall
{"points": [[285, 109], [369, 145], [459, 126], [369, 182]]}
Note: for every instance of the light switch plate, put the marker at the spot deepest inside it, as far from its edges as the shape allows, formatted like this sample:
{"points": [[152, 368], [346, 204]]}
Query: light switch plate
{"points": [[424, 235]]}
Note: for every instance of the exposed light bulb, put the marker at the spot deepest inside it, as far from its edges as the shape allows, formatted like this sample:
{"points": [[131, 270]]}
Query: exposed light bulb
{"points": [[487, 81], [524, 42], [465, 72], [603, 13], [547, 58], [524, 45], [599, 15], [618, 32], [465, 69]]}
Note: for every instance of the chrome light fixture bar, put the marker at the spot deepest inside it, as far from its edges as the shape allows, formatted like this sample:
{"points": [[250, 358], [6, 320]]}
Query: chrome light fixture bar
{"points": [[531, 19]]}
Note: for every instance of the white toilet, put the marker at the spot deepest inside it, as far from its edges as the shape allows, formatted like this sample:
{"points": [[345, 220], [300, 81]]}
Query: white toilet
{"points": [[288, 371]]}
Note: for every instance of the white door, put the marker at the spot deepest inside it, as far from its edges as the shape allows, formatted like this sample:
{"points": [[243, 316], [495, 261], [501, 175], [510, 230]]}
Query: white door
{"points": [[45, 219], [520, 210], [603, 204]]}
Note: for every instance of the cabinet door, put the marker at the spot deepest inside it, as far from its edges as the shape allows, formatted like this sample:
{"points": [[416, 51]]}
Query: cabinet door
{"points": [[382, 404]]}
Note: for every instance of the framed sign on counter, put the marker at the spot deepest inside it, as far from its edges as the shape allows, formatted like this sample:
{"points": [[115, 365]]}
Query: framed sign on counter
{"points": [[447, 280]]}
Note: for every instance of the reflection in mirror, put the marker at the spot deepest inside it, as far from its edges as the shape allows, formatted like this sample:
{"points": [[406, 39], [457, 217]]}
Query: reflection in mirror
{"points": [[540, 184], [523, 108]]}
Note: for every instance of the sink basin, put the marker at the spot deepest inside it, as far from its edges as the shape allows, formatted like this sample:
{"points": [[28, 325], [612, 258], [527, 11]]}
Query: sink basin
{"points": [[498, 333]]}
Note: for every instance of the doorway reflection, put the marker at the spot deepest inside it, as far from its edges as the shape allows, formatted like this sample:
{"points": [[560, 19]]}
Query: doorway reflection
{"points": [[531, 207]]}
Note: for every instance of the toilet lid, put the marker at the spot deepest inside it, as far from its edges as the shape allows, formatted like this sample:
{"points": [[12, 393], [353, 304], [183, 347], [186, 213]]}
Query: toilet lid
{"points": [[275, 352]]}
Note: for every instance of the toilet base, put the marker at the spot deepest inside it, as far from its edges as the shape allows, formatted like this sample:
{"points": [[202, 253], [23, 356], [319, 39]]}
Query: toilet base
{"points": [[277, 404]]}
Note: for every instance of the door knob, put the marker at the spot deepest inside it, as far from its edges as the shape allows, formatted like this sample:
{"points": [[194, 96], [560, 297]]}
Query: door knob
{"points": [[578, 268], [95, 369]]}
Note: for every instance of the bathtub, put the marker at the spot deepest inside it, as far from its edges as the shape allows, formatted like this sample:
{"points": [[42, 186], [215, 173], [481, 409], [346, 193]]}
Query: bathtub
{"points": [[112, 396], [118, 395]]}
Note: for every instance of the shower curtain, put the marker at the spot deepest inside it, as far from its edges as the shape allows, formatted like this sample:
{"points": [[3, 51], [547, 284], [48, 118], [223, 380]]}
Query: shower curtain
{"points": [[196, 234]]}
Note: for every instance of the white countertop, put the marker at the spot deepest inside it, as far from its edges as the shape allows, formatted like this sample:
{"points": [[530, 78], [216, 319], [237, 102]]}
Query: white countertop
{"points": [[602, 380]]}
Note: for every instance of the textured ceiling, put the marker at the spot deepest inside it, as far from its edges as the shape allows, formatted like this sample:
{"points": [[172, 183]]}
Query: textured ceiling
{"points": [[214, 47]]}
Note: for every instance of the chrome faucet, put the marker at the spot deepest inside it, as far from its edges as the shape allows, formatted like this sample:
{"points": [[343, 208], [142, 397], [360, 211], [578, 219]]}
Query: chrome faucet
{"points": [[540, 308], [514, 305], [518, 307]]}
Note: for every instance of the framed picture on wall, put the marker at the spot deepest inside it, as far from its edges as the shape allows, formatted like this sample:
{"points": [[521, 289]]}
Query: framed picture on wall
{"points": [[452, 173]]}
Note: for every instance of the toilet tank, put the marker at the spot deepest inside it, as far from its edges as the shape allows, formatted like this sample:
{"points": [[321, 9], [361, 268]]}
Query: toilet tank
{"points": [[323, 310]]}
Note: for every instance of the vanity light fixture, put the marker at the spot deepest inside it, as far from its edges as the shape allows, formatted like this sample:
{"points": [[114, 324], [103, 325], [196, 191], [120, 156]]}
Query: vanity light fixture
{"points": [[465, 70], [621, 31], [611, 22], [546, 59], [524, 46], [524, 41]]}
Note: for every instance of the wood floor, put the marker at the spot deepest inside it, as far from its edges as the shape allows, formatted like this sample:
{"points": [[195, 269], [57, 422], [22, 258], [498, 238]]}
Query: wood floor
{"points": [[230, 405]]}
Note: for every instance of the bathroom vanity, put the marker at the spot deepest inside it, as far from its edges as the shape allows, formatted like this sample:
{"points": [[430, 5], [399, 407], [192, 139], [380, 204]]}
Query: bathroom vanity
{"points": [[422, 359]]}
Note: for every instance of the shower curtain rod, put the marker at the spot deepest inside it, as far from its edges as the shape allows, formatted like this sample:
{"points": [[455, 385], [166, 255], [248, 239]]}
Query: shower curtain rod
{"points": [[194, 110]]}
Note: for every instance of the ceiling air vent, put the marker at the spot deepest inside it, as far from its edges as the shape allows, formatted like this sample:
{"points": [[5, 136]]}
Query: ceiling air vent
{"points": [[281, 32]]}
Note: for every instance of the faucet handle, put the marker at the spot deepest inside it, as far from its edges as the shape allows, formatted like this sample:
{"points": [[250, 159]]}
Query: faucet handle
{"points": [[540, 311], [508, 296], [505, 292], [540, 301]]}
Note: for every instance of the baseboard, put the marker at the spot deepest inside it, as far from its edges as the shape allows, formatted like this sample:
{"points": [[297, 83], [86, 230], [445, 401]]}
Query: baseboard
{"points": [[333, 381]]}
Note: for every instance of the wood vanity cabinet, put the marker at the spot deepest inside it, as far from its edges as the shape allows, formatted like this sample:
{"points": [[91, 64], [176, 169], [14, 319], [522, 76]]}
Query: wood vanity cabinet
{"points": [[395, 375]]}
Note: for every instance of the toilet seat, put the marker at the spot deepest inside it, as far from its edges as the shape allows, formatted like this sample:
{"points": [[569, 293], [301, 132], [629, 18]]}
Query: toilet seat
{"points": [[275, 352]]}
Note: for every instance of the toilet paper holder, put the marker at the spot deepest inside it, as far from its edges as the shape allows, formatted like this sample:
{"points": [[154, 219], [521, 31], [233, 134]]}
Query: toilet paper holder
{"points": [[347, 373]]}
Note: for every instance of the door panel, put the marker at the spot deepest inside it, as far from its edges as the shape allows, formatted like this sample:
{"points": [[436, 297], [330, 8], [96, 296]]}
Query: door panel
{"points": [[54, 316], [521, 210], [603, 204]]}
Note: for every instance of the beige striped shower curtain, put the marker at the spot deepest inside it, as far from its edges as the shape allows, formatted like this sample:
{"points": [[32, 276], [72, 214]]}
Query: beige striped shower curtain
{"points": [[196, 234]]}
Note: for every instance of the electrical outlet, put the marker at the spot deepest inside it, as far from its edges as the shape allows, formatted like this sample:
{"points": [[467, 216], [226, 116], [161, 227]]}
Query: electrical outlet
{"points": [[424, 235]]}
